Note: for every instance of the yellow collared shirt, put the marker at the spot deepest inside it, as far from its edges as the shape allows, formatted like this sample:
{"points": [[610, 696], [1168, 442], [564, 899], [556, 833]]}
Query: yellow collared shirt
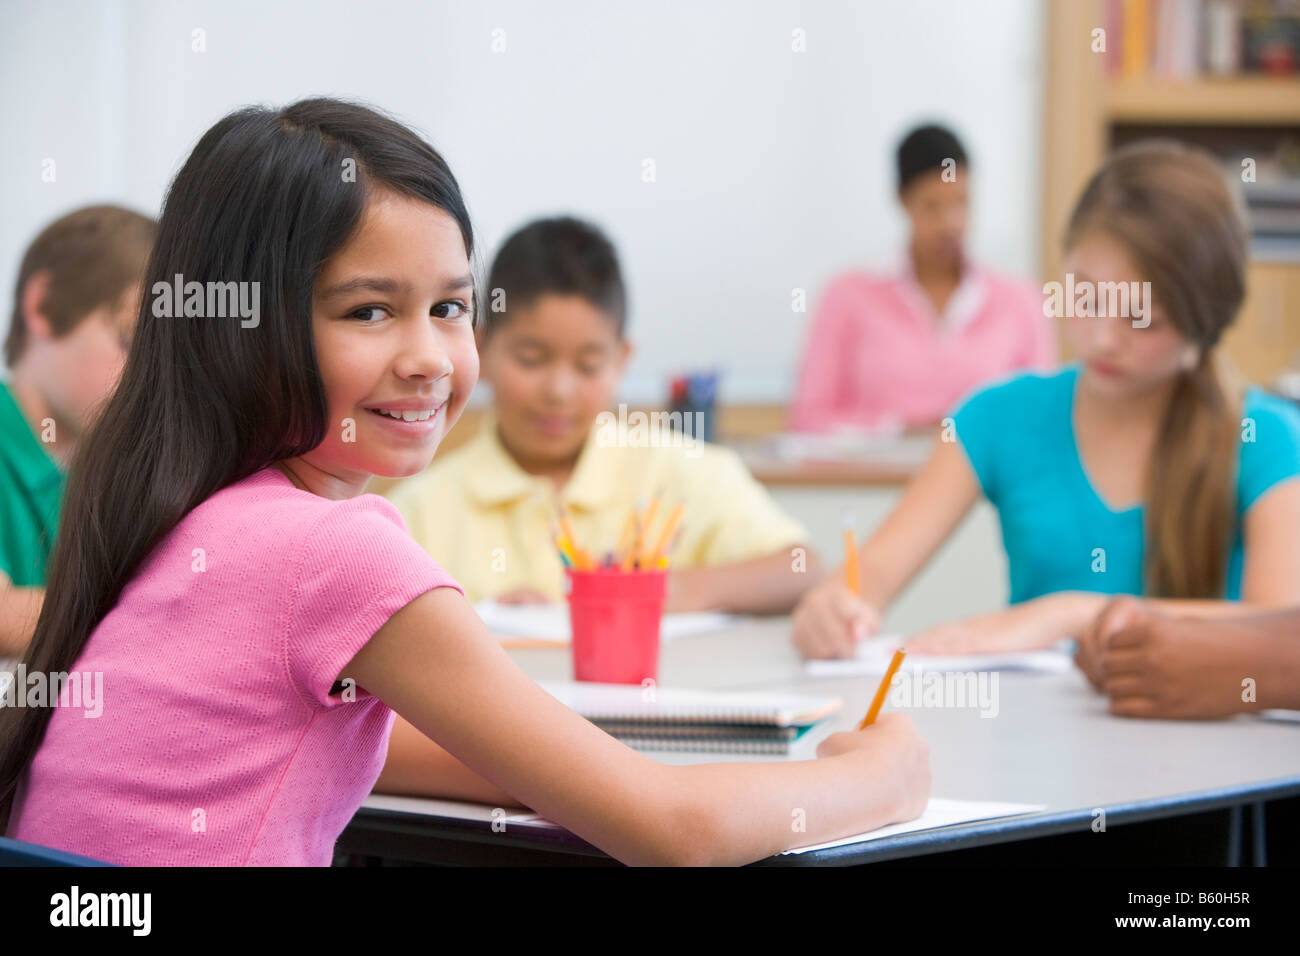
{"points": [[488, 522]]}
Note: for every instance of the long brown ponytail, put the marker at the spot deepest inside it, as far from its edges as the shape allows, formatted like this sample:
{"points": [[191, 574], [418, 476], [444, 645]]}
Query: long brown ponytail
{"points": [[1173, 209]]}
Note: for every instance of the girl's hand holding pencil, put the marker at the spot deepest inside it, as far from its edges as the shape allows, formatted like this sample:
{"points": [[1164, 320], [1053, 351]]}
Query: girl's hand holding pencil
{"points": [[893, 742], [896, 732], [832, 618]]}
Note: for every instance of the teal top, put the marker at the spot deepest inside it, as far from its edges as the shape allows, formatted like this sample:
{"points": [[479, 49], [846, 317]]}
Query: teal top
{"points": [[31, 493], [1059, 534]]}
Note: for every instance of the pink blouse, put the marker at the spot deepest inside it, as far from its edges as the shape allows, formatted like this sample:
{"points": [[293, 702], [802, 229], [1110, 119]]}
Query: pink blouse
{"points": [[879, 355]]}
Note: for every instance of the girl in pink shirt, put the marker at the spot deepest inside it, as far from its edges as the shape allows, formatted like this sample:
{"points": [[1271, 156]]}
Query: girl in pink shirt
{"points": [[254, 615], [902, 347]]}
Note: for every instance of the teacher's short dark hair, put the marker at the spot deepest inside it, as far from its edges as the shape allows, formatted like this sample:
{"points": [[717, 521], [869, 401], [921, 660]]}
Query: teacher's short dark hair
{"points": [[925, 148], [558, 256]]}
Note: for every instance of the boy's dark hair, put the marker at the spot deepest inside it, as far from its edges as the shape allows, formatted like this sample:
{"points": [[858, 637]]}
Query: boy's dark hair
{"points": [[925, 148], [93, 256], [559, 256]]}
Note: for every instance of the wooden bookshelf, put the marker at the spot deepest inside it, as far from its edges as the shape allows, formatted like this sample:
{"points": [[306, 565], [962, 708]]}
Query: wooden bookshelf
{"points": [[1247, 101], [1084, 108]]}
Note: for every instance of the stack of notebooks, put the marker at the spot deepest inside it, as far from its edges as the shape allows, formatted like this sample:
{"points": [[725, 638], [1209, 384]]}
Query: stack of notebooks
{"points": [[664, 719]]}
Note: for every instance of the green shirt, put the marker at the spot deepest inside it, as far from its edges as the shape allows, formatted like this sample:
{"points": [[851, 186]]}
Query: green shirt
{"points": [[31, 491]]}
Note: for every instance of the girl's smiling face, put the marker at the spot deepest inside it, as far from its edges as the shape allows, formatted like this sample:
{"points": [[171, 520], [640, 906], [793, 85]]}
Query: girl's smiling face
{"points": [[394, 340]]}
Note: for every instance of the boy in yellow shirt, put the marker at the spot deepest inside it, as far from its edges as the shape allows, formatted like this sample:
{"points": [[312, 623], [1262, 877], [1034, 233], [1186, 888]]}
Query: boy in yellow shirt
{"points": [[552, 348]]}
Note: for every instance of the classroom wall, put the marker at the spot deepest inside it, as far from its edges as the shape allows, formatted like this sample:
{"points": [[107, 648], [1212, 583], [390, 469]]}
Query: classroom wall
{"points": [[772, 167]]}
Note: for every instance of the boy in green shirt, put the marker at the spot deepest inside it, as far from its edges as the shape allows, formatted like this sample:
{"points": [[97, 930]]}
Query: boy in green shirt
{"points": [[75, 304]]}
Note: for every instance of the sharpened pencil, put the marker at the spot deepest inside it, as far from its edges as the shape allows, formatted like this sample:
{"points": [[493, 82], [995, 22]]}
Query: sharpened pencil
{"points": [[879, 700]]}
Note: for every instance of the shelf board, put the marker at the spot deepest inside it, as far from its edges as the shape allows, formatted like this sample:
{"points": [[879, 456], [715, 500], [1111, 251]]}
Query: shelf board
{"points": [[1242, 101]]}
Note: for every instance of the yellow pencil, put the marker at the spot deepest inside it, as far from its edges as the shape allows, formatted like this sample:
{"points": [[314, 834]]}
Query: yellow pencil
{"points": [[642, 529], [879, 700], [581, 559], [646, 521], [564, 555], [852, 577], [630, 556], [565, 526], [565, 548], [670, 526], [650, 512], [625, 539]]}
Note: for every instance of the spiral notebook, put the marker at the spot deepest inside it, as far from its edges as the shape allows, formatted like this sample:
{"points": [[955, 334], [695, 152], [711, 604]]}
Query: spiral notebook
{"points": [[709, 739], [670, 718]]}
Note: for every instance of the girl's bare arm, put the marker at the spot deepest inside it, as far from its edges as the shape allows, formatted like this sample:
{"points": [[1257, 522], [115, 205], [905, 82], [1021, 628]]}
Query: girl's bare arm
{"points": [[435, 663]]}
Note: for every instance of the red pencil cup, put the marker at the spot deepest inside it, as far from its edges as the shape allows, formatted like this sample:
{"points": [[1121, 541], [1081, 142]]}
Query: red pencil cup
{"points": [[615, 619]]}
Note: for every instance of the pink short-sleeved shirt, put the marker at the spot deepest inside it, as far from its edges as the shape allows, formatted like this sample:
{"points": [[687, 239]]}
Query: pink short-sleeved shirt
{"points": [[879, 354], [218, 742]]}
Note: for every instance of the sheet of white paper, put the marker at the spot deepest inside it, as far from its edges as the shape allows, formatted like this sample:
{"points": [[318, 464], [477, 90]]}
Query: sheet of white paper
{"points": [[938, 813], [456, 810], [550, 622], [874, 656]]}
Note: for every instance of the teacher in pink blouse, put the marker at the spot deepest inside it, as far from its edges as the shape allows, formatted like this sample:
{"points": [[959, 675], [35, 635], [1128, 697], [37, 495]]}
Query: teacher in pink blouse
{"points": [[904, 346]]}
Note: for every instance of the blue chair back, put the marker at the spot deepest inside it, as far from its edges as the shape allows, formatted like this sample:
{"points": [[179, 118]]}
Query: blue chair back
{"points": [[18, 853]]}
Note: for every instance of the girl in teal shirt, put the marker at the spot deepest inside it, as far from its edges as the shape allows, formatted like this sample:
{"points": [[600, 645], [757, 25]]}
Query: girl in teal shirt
{"points": [[1060, 533], [1139, 470]]}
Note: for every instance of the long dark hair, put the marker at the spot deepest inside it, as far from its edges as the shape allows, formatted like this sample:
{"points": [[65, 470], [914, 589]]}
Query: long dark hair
{"points": [[266, 197]]}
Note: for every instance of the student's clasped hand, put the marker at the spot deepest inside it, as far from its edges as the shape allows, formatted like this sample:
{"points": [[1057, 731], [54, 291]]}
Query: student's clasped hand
{"points": [[830, 621], [1118, 614], [1152, 665]]}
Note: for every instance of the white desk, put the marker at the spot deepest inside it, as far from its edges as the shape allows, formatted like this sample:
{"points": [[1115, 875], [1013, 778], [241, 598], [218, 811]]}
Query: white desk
{"points": [[1051, 743]]}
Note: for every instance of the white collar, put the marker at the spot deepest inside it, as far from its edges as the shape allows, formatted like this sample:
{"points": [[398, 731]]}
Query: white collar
{"points": [[962, 306]]}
